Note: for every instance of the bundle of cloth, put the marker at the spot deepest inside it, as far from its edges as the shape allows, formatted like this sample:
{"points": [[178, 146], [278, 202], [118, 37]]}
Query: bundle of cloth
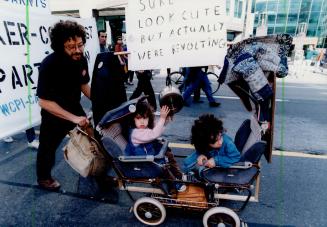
{"points": [[249, 63]]}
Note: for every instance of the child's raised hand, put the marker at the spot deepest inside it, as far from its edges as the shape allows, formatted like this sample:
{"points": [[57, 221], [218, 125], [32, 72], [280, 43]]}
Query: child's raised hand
{"points": [[164, 111]]}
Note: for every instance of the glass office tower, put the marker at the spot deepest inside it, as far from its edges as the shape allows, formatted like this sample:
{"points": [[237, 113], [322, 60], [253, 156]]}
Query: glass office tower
{"points": [[291, 16], [323, 26]]}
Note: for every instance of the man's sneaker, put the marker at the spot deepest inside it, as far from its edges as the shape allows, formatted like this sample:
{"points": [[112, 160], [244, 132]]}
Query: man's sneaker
{"points": [[8, 139], [34, 144], [214, 104], [50, 184]]}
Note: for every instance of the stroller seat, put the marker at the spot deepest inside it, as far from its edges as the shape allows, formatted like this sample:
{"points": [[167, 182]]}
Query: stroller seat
{"points": [[248, 142], [231, 176], [131, 167]]}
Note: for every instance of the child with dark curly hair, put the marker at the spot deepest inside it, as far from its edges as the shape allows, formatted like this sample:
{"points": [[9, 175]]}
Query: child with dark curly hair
{"points": [[143, 135], [213, 147]]}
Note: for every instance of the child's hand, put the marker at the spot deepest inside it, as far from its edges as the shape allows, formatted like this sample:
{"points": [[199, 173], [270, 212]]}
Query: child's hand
{"points": [[164, 112], [210, 163], [202, 160]]}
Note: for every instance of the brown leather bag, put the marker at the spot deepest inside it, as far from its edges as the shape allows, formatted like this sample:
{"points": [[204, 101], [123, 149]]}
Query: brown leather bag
{"points": [[83, 152], [194, 195]]}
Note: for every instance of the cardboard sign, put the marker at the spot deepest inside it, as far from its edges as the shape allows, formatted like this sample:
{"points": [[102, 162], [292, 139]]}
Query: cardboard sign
{"points": [[20, 57], [34, 6], [175, 33]]}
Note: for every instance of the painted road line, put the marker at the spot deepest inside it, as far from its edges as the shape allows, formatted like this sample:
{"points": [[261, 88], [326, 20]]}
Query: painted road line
{"points": [[221, 97], [275, 152], [317, 87]]}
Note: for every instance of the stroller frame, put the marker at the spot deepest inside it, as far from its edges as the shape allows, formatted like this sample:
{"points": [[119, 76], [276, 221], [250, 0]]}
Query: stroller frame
{"points": [[158, 195]]}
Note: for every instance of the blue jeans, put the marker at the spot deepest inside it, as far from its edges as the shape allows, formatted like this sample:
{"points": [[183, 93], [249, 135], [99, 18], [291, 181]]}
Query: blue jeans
{"points": [[200, 76]]}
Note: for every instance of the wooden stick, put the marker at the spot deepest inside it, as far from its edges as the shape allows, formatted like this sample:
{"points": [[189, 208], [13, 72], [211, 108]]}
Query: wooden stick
{"points": [[122, 53]]}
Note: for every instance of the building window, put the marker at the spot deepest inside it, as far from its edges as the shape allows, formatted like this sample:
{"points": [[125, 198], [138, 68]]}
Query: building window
{"points": [[227, 7], [230, 36], [279, 30], [271, 19], [291, 30], [238, 5]]}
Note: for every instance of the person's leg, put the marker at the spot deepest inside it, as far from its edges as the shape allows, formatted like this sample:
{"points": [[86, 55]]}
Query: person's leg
{"points": [[195, 78], [253, 154], [130, 76], [207, 89], [31, 138], [197, 94], [148, 90], [51, 135], [174, 168], [139, 87], [186, 81], [30, 135]]}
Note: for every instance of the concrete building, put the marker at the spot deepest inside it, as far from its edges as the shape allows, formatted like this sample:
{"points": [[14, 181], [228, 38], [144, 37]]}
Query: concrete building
{"points": [[323, 25]]}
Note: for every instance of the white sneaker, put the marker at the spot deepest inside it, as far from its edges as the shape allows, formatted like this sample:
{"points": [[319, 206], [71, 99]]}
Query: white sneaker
{"points": [[8, 139], [34, 144], [182, 188]]}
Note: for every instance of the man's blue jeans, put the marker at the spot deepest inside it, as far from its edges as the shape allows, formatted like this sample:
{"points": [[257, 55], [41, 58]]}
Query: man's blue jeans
{"points": [[200, 76]]}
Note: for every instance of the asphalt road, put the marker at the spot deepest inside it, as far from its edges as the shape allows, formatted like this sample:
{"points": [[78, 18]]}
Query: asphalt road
{"points": [[292, 191], [300, 117]]}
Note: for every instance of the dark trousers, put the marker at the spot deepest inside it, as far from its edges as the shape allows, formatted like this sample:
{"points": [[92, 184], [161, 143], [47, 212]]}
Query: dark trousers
{"points": [[144, 85], [129, 76], [173, 165], [30, 135], [52, 132]]}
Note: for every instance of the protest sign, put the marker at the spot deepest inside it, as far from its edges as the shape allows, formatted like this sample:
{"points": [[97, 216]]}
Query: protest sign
{"points": [[175, 33], [21, 55], [32, 6]]}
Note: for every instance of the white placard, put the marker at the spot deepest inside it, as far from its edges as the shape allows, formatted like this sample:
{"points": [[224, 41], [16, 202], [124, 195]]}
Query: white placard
{"points": [[175, 33], [30, 6], [19, 109]]}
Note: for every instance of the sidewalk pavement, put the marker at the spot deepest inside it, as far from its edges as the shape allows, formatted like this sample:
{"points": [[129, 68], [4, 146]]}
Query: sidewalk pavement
{"points": [[306, 74], [298, 73]]}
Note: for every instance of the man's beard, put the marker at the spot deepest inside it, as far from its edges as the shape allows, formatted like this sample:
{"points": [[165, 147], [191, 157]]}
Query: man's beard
{"points": [[76, 56]]}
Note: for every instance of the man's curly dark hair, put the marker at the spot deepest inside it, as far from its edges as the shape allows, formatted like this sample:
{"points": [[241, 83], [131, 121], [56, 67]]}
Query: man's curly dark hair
{"points": [[204, 130], [63, 31]]}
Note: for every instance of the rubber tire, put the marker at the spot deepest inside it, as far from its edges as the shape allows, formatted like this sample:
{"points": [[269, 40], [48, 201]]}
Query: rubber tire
{"points": [[176, 77], [213, 82], [155, 203], [221, 210]]}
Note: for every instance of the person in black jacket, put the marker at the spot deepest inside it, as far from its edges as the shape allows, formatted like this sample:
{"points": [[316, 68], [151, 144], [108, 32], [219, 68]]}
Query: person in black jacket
{"points": [[107, 86], [63, 75], [107, 92]]}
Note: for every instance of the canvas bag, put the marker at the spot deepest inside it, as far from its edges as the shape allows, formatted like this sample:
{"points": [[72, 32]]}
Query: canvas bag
{"points": [[83, 152]]}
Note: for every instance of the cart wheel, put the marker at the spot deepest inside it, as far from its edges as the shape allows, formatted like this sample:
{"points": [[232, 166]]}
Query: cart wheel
{"points": [[149, 211], [243, 224], [221, 217]]}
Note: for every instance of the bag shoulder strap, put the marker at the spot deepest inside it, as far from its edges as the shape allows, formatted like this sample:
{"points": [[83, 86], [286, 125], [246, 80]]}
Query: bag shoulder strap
{"points": [[90, 137]]}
